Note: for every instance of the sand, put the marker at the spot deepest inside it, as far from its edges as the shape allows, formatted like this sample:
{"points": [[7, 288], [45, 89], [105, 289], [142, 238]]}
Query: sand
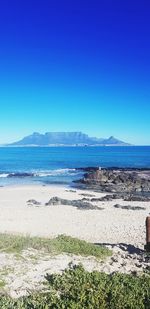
{"points": [[121, 230], [110, 225]]}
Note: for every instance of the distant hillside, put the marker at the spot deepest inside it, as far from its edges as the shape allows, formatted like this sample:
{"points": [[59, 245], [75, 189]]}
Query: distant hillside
{"points": [[64, 139]]}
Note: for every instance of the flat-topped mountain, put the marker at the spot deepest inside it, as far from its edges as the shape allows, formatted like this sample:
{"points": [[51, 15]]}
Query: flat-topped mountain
{"points": [[64, 139]]}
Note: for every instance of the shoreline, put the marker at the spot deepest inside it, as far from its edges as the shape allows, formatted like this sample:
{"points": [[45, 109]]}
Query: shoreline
{"points": [[80, 177], [21, 185]]}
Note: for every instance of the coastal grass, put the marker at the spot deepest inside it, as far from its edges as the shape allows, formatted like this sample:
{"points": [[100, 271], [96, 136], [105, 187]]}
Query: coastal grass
{"points": [[76, 288], [60, 244], [2, 283]]}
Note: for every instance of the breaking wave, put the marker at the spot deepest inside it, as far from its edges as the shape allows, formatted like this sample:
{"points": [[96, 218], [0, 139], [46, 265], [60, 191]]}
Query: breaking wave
{"points": [[57, 172], [4, 175], [42, 173]]}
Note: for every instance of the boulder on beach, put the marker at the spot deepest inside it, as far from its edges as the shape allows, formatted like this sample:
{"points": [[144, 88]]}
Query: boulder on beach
{"points": [[76, 203]]}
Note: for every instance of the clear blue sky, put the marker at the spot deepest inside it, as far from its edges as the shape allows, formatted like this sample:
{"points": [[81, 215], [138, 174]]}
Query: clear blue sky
{"points": [[75, 66]]}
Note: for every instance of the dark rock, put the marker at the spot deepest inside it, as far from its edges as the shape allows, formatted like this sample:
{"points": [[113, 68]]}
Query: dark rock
{"points": [[129, 207], [33, 202], [134, 272], [21, 175], [137, 198], [86, 194], [139, 265], [100, 199], [76, 203], [108, 197], [87, 169], [114, 259], [122, 181], [125, 196]]}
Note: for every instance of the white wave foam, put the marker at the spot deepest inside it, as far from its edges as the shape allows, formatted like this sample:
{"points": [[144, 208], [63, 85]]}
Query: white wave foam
{"points": [[4, 175], [45, 173], [57, 172]]}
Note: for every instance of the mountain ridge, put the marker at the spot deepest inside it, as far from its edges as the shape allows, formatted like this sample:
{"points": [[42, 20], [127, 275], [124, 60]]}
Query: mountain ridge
{"points": [[76, 138]]}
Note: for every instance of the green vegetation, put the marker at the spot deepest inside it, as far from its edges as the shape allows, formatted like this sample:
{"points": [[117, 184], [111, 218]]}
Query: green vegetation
{"points": [[15, 244], [76, 288], [79, 289], [2, 283]]}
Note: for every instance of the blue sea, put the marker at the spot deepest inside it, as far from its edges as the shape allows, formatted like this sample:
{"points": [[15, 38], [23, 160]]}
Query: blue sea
{"points": [[50, 165]]}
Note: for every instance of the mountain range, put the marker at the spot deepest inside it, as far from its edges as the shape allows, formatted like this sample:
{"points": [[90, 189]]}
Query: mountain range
{"points": [[66, 139]]}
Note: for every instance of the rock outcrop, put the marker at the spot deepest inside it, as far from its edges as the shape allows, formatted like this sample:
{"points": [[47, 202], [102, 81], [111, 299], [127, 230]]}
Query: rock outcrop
{"points": [[76, 203], [33, 202], [117, 180], [129, 207]]}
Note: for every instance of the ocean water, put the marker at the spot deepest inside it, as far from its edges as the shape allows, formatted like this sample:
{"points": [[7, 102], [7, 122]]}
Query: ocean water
{"points": [[51, 165]]}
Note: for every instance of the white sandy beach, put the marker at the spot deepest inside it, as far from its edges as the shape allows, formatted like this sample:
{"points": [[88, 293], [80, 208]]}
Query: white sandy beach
{"points": [[110, 225]]}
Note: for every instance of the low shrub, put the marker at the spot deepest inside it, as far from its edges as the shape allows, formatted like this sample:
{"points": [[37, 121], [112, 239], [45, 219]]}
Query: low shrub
{"points": [[79, 289], [60, 244]]}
